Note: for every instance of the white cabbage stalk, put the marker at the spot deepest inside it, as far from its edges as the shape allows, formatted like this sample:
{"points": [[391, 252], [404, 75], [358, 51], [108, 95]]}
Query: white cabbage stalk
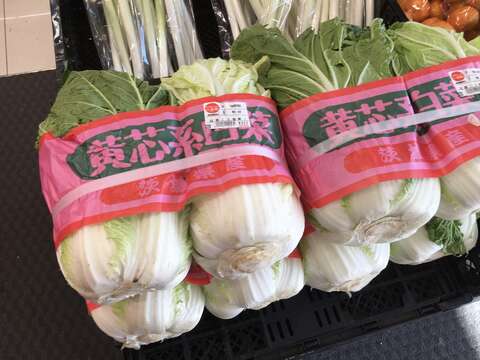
{"points": [[460, 195], [111, 261], [248, 227], [437, 239], [332, 267], [152, 316], [228, 298], [382, 213]]}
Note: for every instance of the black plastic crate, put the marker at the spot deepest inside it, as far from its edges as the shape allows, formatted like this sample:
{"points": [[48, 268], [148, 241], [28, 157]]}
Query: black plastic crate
{"points": [[313, 319]]}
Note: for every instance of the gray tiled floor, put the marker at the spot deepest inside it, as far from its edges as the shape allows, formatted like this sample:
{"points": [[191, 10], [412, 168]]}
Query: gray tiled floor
{"points": [[450, 335]]}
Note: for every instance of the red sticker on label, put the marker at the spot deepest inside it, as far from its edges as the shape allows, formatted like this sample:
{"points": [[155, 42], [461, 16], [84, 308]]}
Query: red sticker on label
{"points": [[458, 76], [212, 108]]}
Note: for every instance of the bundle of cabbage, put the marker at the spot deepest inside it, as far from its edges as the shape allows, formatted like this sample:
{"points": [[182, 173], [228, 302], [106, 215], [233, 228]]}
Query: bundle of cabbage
{"points": [[382, 213], [331, 267], [228, 298], [438, 238], [116, 259], [460, 195], [119, 258], [335, 56], [247, 227], [152, 316]]}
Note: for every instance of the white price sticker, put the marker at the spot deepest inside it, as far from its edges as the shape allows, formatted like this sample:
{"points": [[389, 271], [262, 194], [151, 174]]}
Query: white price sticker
{"points": [[226, 115], [466, 81]]}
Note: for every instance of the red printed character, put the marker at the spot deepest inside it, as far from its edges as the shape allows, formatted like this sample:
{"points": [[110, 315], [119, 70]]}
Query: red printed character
{"points": [[260, 127], [187, 139], [378, 105], [141, 152], [432, 100], [449, 95], [204, 172], [147, 187], [433, 152], [176, 184], [338, 122], [456, 137], [415, 153], [404, 103], [108, 152], [388, 154], [235, 163]]}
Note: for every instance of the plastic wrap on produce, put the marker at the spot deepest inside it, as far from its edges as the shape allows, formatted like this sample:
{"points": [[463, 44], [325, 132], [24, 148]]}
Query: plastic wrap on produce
{"points": [[146, 38], [306, 14], [224, 27], [58, 38], [235, 15]]}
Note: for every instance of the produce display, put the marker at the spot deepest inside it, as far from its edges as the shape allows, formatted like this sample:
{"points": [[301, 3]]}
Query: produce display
{"points": [[457, 15], [322, 145]]}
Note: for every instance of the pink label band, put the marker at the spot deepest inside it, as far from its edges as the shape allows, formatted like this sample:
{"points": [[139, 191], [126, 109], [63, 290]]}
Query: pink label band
{"points": [[156, 160], [416, 126]]}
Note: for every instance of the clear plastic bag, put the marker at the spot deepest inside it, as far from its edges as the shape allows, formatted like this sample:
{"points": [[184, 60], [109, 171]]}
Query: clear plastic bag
{"points": [[235, 15], [307, 14], [58, 39], [146, 38]]}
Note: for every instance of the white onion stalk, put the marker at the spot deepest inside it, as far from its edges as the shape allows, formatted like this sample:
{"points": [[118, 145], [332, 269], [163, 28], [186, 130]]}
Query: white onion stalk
{"points": [[116, 62], [152, 316], [162, 35], [437, 239], [460, 195], [331, 267], [133, 40], [232, 17], [317, 17], [325, 10], [246, 228], [342, 9], [228, 298], [185, 41], [147, 15], [333, 9], [307, 15], [279, 14], [355, 10], [117, 41], [271, 13], [382, 213], [120, 258], [369, 11]]}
